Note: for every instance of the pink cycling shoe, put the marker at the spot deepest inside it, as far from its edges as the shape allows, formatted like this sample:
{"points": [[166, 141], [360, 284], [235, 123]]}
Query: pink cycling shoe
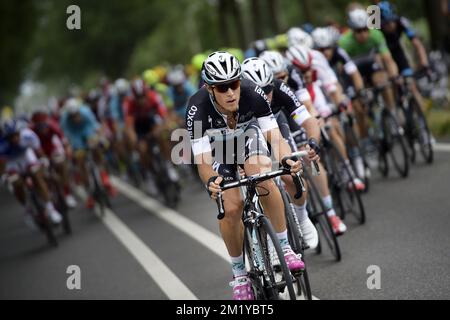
{"points": [[293, 262], [242, 289]]}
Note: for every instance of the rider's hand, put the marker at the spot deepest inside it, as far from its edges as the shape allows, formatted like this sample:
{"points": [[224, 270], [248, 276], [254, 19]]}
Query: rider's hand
{"points": [[312, 155], [45, 162], [295, 166], [214, 186]]}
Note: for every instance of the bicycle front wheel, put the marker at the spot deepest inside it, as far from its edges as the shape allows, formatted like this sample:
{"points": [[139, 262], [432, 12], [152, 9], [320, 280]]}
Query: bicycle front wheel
{"points": [[273, 286]]}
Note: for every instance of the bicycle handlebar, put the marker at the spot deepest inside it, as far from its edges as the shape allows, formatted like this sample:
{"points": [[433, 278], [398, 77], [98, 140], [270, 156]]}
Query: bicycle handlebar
{"points": [[255, 179]]}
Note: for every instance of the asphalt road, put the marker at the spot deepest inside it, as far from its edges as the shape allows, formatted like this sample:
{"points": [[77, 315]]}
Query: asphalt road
{"points": [[141, 250]]}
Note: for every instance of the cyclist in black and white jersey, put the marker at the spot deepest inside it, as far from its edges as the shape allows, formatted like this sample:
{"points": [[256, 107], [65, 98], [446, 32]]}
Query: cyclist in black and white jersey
{"points": [[283, 100], [231, 121]]}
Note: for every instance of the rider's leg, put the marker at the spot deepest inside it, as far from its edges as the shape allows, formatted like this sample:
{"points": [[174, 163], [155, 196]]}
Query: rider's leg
{"points": [[18, 188], [380, 78]]}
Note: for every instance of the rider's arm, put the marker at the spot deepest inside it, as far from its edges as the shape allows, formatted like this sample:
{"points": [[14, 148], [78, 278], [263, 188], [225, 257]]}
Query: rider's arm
{"points": [[298, 112], [357, 80], [391, 66], [405, 25], [421, 52], [351, 69], [383, 51]]}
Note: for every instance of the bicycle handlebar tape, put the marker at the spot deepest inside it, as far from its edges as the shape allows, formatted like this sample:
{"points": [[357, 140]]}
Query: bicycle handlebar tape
{"points": [[219, 199]]}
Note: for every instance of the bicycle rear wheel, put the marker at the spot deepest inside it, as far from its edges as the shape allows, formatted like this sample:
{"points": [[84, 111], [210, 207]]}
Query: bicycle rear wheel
{"points": [[42, 220], [421, 131], [318, 214], [396, 143], [349, 199]]}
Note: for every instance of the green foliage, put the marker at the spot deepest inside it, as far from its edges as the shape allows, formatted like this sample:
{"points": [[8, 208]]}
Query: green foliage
{"points": [[125, 37], [17, 21]]}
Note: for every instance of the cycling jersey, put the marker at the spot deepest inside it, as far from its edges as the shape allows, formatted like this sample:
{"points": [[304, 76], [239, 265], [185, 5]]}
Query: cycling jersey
{"points": [[79, 133], [376, 43], [341, 57], [28, 139], [206, 124], [116, 108], [284, 98], [48, 144], [393, 40], [145, 112], [344, 67], [295, 82], [322, 72]]}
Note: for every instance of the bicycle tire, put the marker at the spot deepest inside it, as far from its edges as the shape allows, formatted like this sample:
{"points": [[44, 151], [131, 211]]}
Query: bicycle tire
{"points": [[422, 132], [297, 244], [264, 232], [43, 221], [393, 136], [318, 214], [353, 196]]}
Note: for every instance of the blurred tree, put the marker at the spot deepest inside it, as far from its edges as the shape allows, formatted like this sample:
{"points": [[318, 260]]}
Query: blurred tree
{"points": [[17, 23], [273, 11], [256, 19]]}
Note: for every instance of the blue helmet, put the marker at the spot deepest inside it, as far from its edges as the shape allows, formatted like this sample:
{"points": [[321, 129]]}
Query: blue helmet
{"points": [[388, 11], [10, 127]]}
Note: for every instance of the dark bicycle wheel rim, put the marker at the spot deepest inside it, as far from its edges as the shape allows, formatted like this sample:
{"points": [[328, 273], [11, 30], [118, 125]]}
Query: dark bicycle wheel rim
{"points": [[296, 241], [266, 231]]}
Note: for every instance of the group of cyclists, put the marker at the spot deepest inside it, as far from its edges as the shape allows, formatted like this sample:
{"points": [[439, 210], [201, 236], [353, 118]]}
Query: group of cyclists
{"points": [[278, 100]]}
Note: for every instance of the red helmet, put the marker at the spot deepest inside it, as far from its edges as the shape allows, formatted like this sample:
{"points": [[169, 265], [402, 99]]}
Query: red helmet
{"points": [[39, 117]]}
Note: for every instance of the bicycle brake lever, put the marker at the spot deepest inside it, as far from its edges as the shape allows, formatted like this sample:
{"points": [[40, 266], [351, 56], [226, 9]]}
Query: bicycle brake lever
{"points": [[299, 186]]}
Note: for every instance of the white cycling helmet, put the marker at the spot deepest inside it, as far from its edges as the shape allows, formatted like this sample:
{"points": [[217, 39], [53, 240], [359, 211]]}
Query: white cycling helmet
{"points": [[122, 86], [324, 38], [297, 36], [176, 77], [221, 67], [275, 61], [257, 71], [300, 56], [72, 106], [357, 19]]}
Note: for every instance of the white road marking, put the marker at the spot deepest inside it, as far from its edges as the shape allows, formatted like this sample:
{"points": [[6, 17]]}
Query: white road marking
{"points": [[168, 282], [202, 235], [442, 147], [205, 237]]}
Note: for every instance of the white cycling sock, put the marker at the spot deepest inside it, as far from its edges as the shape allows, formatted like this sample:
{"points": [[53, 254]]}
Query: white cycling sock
{"points": [[238, 266], [283, 238], [301, 212], [328, 202], [49, 206]]}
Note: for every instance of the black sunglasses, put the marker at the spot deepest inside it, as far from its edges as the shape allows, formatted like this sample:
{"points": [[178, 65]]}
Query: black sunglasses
{"points": [[324, 49], [361, 30], [222, 88]]}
